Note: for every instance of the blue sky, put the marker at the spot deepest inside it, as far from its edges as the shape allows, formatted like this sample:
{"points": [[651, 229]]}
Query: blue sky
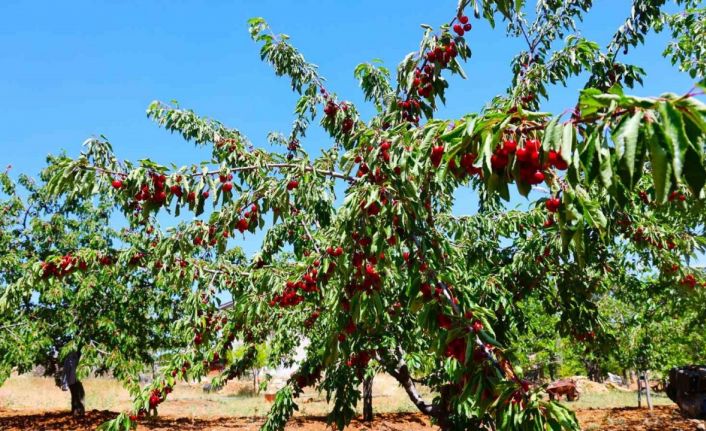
{"points": [[72, 70]]}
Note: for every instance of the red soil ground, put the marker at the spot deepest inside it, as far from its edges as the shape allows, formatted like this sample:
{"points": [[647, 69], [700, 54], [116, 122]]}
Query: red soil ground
{"points": [[616, 419]]}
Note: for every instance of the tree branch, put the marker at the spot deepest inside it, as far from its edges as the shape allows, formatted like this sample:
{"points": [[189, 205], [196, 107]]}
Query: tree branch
{"points": [[400, 372]]}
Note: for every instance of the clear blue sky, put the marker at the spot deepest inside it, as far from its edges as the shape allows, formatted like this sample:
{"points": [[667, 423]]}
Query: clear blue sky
{"points": [[72, 70]]}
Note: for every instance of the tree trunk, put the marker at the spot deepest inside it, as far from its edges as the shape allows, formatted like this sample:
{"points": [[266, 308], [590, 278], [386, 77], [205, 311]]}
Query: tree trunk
{"points": [[368, 398], [626, 378], [77, 395], [594, 370], [647, 390]]}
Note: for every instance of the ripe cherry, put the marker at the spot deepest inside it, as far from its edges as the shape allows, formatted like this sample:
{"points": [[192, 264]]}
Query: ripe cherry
{"points": [[227, 186], [477, 326], [498, 161], [437, 153], [117, 184], [243, 225], [510, 146], [293, 184], [347, 125], [463, 19], [176, 190], [553, 204], [444, 321], [458, 28]]}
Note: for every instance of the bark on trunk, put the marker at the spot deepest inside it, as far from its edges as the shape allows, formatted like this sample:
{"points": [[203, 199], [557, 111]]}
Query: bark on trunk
{"points": [[368, 398], [77, 396]]}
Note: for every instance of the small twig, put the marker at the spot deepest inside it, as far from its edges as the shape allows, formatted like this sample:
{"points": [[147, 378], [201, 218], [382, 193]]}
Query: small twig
{"points": [[308, 168]]}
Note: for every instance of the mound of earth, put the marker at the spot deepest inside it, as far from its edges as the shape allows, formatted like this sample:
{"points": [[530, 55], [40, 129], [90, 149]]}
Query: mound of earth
{"points": [[584, 385]]}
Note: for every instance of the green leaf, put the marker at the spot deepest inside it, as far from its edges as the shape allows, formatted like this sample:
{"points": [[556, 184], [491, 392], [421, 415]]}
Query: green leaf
{"points": [[694, 172], [660, 161], [625, 138], [675, 136]]}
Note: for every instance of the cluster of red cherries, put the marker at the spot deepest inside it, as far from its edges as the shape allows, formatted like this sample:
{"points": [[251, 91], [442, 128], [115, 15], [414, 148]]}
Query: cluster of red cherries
{"points": [[290, 296], [331, 109], [66, 266], [249, 217], [463, 26], [528, 158]]}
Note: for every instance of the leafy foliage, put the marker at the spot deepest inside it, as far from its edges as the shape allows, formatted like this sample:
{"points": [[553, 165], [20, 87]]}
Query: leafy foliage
{"points": [[391, 278]]}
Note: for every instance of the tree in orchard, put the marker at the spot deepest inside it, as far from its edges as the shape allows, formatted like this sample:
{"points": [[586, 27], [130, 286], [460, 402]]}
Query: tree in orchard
{"points": [[63, 289], [391, 276], [638, 287]]}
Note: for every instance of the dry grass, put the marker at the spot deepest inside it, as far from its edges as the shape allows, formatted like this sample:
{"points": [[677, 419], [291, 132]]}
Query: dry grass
{"points": [[610, 399], [27, 393]]}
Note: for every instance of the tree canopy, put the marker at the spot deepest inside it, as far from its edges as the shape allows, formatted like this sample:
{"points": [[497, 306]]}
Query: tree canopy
{"points": [[615, 192]]}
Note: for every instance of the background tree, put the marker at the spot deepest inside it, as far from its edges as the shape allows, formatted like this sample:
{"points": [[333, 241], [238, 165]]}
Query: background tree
{"points": [[73, 301], [391, 275]]}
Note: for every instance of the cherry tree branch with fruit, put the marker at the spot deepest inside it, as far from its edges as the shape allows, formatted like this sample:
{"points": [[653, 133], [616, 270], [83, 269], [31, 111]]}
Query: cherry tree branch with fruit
{"points": [[392, 275]]}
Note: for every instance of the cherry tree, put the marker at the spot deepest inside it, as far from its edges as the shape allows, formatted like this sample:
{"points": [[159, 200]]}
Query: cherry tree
{"points": [[391, 276], [64, 291]]}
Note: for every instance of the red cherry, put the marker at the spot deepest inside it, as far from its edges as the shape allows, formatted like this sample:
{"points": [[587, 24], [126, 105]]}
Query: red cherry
{"points": [[227, 186], [154, 400], [553, 204], [498, 161], [458, 28], [176, 190], [437, 153], [477, 326], [532, 145], [510, 146], [205, 194], [243, 225], [117, 184], [463, 19], [538, 177], [561, 165], [444, 321], [292, 185], [467, 27], [347, 125], [552, 157]]}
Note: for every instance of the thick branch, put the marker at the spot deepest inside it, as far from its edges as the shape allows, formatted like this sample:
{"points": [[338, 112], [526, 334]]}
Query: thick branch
{"points": [[400, 372]]}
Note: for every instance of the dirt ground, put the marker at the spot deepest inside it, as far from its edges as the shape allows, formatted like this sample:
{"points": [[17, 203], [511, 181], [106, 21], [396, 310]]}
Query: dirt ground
{"points": [[32, 403], [11, 421], [662, 418]]}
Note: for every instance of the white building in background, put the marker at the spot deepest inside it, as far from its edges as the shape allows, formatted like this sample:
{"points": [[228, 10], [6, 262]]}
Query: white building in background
{"points": [[281, 374]]}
